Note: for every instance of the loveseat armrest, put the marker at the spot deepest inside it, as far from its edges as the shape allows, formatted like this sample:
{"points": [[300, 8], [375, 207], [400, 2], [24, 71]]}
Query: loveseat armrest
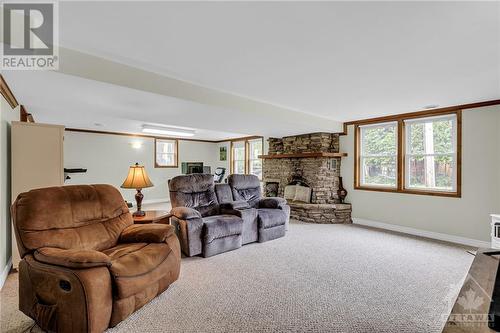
{"points": [[185, 213], [72, 258], [146, 233], [272, 202], [238, 204]]}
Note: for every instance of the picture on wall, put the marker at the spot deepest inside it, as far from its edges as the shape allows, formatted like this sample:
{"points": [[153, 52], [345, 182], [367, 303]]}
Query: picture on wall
{"points": [[223, 153]]}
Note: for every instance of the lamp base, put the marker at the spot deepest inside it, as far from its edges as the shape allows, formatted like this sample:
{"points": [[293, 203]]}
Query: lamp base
{"points": [[138, 198], [139, 213]]}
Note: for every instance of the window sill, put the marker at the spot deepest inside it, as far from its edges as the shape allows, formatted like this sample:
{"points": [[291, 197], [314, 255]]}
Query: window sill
{"points": [[409, 191], [166, 166]]}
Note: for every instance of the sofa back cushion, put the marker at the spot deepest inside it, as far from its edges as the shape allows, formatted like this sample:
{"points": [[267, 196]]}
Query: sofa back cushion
{"points": [[88, 217], [245, 187], [224, 193], [196, 191]]}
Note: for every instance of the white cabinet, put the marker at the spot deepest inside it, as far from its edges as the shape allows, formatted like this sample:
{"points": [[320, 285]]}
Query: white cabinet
{"points": [[37, 161]]}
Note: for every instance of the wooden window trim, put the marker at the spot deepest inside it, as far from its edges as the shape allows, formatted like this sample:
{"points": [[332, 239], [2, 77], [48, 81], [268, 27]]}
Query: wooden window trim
{"points": [[176, 154], [401, 167], [246, 142]]}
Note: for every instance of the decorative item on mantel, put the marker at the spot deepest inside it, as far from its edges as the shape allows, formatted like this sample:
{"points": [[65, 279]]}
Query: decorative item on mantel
{"points": [[341, 192], [138, 179]]}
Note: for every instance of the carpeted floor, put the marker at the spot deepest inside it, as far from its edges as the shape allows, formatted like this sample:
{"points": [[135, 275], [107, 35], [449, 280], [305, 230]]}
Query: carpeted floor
{"points": [[319, 278]]}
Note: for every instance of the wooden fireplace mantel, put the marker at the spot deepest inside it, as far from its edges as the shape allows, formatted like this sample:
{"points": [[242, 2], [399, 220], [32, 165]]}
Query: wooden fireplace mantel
{"points": [[303, 155]]}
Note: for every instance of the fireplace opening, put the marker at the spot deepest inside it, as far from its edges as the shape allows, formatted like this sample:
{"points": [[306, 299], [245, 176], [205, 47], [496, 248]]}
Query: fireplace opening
{"points": [[271, 189], [298, 190]]}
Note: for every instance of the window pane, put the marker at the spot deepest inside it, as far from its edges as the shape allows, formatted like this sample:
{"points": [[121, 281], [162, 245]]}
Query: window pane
{"points": [[443, 136], [432, 136], [239, 167], [431, 162], [431, 172], [239, 153], [379, 171], [379, 140], [165, 159], [255, 149], [165, 152], [256, 168]]}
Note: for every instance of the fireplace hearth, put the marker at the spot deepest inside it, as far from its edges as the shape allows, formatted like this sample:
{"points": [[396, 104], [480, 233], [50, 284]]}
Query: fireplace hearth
{"points": [[306, 170]]}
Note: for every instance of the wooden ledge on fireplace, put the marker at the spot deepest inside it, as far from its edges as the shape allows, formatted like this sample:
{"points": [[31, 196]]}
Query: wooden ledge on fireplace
{"points": [[303, 155]]}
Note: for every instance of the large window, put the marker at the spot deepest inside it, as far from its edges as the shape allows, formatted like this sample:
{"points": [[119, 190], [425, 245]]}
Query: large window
{"points": [[245, 156], [378, 155], [410, 154], [254, 162], [166, 153]]}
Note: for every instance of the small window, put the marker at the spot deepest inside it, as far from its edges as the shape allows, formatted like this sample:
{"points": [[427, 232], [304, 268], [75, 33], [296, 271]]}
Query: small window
{"points": [[238, 155], [254, 162], [431, 153], [378, 155], [166, 153]]}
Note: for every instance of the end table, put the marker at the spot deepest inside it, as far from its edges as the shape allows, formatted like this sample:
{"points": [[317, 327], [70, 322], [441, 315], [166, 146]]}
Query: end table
{"points": [[153, 216]]}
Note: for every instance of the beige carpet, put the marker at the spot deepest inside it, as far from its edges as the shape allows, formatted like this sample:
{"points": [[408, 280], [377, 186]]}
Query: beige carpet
{"points": [[319, 278]]}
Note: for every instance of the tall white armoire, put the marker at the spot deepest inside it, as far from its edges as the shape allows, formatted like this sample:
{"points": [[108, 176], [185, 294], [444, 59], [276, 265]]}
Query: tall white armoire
{"points": [[37, 161]]}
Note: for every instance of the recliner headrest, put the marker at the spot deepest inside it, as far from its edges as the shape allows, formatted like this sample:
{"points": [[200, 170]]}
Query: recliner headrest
{"points": [[243, 182]]}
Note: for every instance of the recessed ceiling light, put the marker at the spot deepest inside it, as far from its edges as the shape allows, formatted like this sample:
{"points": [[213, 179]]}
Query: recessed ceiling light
{"points": [[167, 130], [431, 106]]}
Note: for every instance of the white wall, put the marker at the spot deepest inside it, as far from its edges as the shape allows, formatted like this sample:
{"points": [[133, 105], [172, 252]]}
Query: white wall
{"points": [[6, 116], [465, 217], [108, 157]]}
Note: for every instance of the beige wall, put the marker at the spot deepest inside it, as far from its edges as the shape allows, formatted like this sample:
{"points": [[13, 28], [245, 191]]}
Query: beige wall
{"points": [[465, 217], [6, 116], [108, 157]]}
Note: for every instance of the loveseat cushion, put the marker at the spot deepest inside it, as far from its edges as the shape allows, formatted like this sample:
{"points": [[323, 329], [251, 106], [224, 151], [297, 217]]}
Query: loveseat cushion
{"points": [[269, 217], [220, 226], [135, 266]]}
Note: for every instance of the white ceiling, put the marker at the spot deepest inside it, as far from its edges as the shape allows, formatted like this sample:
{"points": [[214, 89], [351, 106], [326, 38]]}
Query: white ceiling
{"points": [[330, 60], [340, 60], [86, 104]]}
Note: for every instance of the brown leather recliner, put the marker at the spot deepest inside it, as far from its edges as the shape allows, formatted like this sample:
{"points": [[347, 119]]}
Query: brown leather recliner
{"points": [[85, 265]]}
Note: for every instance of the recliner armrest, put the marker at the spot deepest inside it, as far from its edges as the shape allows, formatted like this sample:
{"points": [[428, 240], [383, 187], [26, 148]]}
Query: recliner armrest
{"points": [[146, 233], [272, 202], [72, 258], [239, 204], [185, 213]]}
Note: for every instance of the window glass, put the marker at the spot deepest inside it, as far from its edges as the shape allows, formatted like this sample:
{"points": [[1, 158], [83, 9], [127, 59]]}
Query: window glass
{"points": [[166, 153], [431, 158], [255, 163], [378, 155]]}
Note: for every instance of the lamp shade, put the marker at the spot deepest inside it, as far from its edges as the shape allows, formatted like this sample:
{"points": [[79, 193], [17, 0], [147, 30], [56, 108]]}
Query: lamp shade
{"points": [[137, 178]]}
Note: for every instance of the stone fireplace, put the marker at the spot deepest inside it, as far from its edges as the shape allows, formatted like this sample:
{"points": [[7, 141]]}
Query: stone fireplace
{"points": [[311, 161]]}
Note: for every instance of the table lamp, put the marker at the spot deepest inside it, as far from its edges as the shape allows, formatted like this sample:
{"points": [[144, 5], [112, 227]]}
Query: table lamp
{"points": [[137, 178]]}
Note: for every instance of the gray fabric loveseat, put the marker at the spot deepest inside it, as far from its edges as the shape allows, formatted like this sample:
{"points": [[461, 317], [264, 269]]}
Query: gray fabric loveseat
{"points": [[215, 218]]}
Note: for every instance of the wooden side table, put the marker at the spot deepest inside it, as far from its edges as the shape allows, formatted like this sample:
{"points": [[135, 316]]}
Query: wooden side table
{"points": [[153, 216]]}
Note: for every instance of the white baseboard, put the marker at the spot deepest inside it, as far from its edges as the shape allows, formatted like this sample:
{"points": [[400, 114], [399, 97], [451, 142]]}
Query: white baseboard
{"points": [[423, 233], [5, 273]]}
